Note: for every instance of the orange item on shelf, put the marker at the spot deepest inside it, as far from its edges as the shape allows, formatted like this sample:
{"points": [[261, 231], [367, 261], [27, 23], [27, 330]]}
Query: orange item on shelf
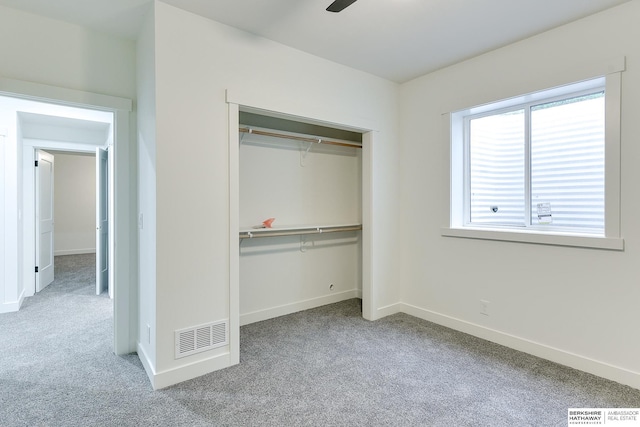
{"points": [[267, 222]]}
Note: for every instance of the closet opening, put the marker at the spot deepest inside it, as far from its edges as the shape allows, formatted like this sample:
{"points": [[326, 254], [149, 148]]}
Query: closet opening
{"points": [[299, 217]]}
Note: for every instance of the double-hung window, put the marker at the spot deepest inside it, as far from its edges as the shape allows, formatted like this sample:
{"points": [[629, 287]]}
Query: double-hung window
{"points": [[534, 164]]}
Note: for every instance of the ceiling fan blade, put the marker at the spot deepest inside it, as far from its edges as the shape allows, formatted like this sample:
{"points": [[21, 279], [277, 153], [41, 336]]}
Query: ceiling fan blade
{"points": [[339, 5]]}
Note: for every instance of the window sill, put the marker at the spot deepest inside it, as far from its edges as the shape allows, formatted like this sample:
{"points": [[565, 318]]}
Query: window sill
{"points": [[535, 237]]}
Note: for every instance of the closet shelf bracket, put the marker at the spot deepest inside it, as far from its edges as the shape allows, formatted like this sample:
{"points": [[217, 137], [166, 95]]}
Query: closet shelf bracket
{"points": [[303, 155], [247, 131]]}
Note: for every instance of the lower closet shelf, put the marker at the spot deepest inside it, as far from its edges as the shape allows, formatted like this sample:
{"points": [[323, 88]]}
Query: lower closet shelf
{"points": [[295, 231]]}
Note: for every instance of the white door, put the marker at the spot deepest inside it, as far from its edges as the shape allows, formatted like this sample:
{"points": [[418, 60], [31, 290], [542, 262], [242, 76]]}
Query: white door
{"points": [[44, 219], [102, 221]]}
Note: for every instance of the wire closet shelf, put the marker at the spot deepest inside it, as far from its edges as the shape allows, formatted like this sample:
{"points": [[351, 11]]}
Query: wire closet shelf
{"points": [[310, 140], [297, 231]]}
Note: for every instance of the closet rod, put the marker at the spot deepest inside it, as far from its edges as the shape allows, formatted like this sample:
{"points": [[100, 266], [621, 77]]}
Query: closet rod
{"points": [[300, 138], [297, 232]]}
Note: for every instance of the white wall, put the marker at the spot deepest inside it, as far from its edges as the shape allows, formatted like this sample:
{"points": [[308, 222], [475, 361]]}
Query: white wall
{"points": [[197, 60], [576, 306], [273, 183], [147, 195], [75, 204], [11, 283], [56, 53]]}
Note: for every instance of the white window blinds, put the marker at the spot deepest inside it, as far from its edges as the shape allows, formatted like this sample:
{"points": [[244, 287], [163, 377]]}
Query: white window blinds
{"points": [[546, 159], [496, 167], [567, 161]]}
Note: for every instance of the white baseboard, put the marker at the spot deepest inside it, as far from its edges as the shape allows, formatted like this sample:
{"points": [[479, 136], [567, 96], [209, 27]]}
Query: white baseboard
{"points": [[10, 307], [192, 370], [147, 365], [389, 310], [182, 373], [282, 310], [74, 251], [601, 369]]}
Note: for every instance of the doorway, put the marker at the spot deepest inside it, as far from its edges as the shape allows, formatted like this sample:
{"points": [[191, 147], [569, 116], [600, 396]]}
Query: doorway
{"points": [[18, 230], [79, 202], [42, 136]]}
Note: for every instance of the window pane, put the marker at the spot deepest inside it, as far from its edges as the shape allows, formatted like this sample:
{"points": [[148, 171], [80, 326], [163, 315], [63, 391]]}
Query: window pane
{"points": [[567, 162], [496, 148]]}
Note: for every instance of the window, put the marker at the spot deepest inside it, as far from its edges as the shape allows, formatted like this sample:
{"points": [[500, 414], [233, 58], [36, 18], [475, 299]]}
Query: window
{"points": [[538, 164], [551, 176]]}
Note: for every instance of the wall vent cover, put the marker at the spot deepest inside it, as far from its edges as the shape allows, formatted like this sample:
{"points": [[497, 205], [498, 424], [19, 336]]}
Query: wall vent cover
{"points": [[201, 338]]}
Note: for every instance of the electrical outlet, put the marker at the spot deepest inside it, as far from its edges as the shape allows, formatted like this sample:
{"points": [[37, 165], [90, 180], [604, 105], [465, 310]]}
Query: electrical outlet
{"points": [[484, 307]]}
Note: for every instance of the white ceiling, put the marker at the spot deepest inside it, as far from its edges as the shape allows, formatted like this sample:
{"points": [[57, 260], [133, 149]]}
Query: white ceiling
{"points": [[394, 39]]}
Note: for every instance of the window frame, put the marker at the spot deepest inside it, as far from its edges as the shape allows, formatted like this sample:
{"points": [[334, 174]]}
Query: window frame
{"points": [[459, 209]]}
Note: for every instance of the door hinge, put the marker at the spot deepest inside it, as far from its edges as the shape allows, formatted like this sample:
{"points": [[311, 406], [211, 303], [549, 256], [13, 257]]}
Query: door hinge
{"points": [[36, 268], [36, 163]]}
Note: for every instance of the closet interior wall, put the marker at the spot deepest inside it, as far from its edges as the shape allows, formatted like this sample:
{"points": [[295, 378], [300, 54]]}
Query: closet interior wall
{"points": [[300, 184]]}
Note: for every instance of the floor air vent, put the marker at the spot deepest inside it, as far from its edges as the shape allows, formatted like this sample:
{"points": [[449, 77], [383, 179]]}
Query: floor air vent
{"points": [[201, 338]]}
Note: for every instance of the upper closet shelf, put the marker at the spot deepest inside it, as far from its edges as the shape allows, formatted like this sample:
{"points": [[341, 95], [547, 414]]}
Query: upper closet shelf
{"points": [[297, 230], [299, 138]]}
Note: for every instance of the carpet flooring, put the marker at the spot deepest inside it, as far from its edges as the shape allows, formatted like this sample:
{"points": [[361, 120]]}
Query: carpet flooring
{"points": [[321, 367]]}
